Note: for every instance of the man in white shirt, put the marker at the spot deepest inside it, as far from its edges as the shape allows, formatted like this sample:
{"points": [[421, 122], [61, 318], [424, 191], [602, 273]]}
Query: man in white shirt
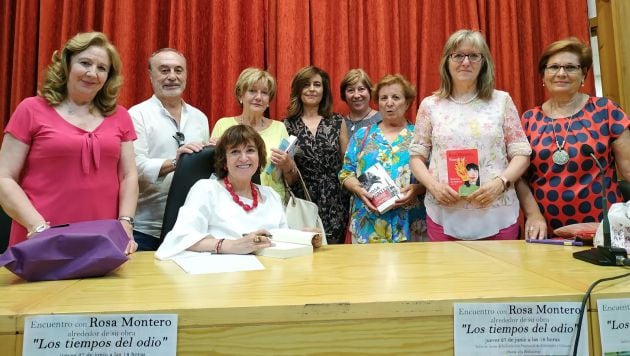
{"points": [[166, 127]]}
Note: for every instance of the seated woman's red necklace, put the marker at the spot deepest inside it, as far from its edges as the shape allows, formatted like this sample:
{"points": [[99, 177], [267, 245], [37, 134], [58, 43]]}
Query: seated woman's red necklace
{"points": [[237, 199]]}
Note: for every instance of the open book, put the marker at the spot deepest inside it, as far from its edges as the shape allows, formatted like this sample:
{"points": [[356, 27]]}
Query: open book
{"points": [[463, 170], [289, 243], [384, 190]]}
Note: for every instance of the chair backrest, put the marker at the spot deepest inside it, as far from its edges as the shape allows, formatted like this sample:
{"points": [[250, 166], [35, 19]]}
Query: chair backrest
{"points": [[190, 168], [624, 186], [5, 230]]}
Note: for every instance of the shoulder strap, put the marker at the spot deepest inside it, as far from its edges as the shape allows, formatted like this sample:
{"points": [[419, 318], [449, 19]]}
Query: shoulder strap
{"points": [[367, 131]]}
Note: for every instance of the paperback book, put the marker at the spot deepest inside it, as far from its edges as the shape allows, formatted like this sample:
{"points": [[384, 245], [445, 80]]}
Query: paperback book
{"points": [[463, 170], [287, 145], [289, 243], [380, 185]]}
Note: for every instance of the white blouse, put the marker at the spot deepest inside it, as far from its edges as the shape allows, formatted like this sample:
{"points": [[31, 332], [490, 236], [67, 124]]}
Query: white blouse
{"points": [[210, 210]]}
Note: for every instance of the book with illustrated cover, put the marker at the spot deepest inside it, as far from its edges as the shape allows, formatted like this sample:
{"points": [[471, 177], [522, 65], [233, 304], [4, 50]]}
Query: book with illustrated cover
{"points": [[288, 243], [463, 170], [384, 190]]}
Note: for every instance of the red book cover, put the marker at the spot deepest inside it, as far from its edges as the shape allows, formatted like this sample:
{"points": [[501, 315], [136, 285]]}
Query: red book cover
{"points": [[463, 170]]}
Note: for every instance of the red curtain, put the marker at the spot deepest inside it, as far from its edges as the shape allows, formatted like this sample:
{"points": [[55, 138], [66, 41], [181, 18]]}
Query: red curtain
{"points": [[220, 38]]}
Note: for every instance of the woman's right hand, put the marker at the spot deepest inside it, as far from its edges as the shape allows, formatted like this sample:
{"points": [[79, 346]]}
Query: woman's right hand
{"points": [[249, 243], [366, 197], [443, 193], [535, 227]]}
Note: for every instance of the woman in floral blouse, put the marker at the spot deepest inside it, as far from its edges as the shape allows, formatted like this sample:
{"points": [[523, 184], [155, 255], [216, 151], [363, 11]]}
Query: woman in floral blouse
{"points": [[468, 113], [386, 143]]}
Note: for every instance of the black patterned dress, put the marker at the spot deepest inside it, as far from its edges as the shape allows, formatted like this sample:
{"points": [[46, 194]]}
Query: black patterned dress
{"points": [[317, 157]]}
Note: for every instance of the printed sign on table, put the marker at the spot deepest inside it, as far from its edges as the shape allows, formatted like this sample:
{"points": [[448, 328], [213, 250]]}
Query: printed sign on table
{"points": [[100, 334], [614, 326], [545, 328]]}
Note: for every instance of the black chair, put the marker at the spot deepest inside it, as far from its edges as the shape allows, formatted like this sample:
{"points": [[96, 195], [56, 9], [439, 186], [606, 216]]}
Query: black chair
{"points": [[5, 230], [190, 168], [624, 186]]}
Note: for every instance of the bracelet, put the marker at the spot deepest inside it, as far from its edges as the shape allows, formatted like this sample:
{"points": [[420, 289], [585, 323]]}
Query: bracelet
{"points": [[219, 243], [128, 219], [39, 228]]}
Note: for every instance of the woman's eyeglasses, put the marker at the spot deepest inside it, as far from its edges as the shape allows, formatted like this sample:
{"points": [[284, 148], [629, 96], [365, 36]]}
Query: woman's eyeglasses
{"points": [[569, 68], [459, 57], [179, 137]]}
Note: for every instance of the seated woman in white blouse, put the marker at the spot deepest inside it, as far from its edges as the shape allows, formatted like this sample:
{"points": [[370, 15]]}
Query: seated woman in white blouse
{"points": [[229, 213]]}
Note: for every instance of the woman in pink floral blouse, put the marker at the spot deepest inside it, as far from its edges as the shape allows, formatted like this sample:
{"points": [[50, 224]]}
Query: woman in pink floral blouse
{"points": [[468, 113]]}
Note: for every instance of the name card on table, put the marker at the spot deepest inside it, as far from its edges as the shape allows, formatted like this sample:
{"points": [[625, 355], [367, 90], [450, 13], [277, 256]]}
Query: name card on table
{"points": [[98, 334], [518, 329], [614, 325]]}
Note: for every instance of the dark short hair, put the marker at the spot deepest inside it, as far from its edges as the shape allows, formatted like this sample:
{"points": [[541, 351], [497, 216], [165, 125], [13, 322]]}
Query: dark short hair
{"points": [[300, 80], [236, 136], [571, 45], [54, 88], [474, 166]]}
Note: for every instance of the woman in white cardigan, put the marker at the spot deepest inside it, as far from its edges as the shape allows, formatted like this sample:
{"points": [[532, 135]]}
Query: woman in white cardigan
{"points": [[229, 213]]}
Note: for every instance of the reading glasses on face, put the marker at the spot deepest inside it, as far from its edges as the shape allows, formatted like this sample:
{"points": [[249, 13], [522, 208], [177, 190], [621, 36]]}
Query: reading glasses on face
{"points": [[569, 68], [459, 57], [179, 137]]}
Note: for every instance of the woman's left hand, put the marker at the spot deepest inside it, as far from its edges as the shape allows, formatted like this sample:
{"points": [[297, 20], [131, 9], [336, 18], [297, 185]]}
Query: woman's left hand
{"points": [[132, 246], [487, 193], [409, 194]]}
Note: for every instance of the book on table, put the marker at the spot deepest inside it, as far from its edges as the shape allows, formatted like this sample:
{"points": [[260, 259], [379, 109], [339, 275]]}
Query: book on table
{"points": [[289, 243], [381, 186], [463, 170]]}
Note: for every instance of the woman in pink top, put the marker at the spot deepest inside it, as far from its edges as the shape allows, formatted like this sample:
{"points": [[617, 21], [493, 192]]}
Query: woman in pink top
{"points": [[467, 113], [67, 154]]}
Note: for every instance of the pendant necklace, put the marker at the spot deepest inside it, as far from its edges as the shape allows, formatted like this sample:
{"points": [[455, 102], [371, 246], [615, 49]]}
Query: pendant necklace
{"points": [[237, 199], [560, 156], [355, 123]]}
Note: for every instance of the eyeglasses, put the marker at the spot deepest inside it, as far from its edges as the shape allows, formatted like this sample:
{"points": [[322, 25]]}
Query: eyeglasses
{"points": [[569, 68], [179, 137], [459, 57]]}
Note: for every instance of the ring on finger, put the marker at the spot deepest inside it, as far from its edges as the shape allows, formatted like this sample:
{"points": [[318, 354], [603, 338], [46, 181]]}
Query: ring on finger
{"points": [[257, 239]]}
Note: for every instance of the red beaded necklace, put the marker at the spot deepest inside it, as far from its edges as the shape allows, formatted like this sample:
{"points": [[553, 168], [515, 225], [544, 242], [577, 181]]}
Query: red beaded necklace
{"points": [[237, 199]]}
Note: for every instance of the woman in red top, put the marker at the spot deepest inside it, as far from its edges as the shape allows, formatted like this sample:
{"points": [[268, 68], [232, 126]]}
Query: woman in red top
{"points": [[67, 154], [563, 185]]}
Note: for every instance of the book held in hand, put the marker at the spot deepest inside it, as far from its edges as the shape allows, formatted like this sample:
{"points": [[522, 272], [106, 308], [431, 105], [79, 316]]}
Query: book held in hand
{"points": [[287, 145], [380, 185], [289, 243], [463, 170]]}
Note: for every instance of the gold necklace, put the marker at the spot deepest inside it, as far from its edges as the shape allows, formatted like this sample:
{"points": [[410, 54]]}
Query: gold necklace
{"points": [[261, 126]]}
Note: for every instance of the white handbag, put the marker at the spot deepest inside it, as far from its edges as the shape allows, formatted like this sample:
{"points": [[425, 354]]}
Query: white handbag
{"points": [[303, 213], [619, 218]]}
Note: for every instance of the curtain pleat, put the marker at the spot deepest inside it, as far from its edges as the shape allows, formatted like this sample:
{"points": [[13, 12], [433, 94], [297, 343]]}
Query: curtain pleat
{"points": [[221, 38]]}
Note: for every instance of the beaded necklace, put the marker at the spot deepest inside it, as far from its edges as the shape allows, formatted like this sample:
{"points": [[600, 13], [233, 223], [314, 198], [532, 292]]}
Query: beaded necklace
{"points": [[237, 199]]}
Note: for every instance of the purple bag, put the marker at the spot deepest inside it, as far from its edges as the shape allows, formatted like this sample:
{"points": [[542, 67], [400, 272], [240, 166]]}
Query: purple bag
{"points": [[78, 250]]}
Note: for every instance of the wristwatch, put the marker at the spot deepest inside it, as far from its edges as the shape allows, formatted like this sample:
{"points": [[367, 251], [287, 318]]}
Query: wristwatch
{"points": [[506, 182], [174, 163], [128, 219], [37, 229]]}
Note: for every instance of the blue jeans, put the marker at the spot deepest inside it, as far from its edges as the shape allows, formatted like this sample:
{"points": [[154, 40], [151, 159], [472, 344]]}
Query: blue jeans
{"points": [[146, 242]]}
